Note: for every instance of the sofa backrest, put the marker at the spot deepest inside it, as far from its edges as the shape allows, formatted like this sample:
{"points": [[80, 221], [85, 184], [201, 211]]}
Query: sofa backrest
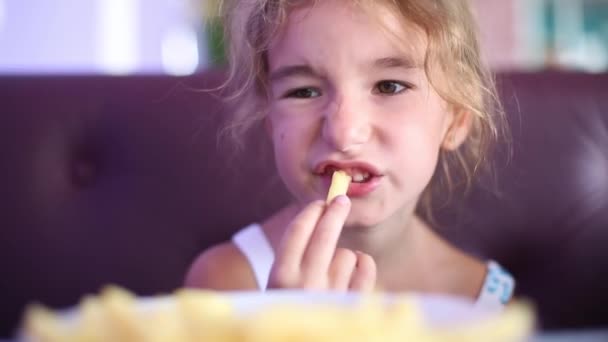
{"points": [[124, 180], [549, 223]]}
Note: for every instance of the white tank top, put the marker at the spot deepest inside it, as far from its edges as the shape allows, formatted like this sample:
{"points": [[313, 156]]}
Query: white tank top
{"points": [[496, 291]]}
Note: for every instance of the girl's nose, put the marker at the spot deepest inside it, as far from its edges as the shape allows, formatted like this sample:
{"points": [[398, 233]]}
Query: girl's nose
{"points": [[346, 127]]}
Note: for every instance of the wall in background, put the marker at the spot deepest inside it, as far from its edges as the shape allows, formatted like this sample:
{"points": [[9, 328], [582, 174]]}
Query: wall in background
{"points": [[498, 37], [106, 36], [540, 34], [166, 36]]}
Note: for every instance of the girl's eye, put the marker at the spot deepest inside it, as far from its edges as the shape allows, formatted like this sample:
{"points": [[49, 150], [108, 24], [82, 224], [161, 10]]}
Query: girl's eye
{"points": [[391, 87], [303, 93]]}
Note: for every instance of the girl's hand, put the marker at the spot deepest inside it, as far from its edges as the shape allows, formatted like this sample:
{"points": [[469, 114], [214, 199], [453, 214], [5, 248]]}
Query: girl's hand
{"points": [[308, 256]]}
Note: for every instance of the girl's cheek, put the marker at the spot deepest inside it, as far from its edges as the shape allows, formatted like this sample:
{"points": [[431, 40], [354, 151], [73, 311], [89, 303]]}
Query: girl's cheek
{"points": [[282, 130]]}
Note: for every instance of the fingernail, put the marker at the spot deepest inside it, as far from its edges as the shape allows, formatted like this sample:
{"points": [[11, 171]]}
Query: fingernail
{"points": [[342, 200]]}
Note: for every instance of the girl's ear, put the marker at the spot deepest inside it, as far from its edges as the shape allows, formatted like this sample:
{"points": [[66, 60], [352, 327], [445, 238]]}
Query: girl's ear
{"points": [[458, 130]]}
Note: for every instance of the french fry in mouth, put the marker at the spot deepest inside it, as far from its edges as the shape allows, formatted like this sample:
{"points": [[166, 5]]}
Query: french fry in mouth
{"points": [[340, 181]]}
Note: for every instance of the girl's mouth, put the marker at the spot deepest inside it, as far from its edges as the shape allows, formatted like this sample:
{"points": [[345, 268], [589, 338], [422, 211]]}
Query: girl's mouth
{"points": [[357, 175], [365, 178]]}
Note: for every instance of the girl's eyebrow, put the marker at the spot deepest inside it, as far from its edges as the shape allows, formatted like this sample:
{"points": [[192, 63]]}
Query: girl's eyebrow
{"points": [[306, 70], [405, 62], [291, 70]]}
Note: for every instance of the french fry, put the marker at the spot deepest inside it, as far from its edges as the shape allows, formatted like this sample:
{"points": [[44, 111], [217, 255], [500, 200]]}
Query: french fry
{"points": [[120, 313], [340, 181], [43, 324]]}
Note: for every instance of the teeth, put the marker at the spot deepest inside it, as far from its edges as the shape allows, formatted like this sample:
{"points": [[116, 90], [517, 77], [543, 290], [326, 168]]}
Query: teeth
{"points": [[356, 175], [360, 176]]}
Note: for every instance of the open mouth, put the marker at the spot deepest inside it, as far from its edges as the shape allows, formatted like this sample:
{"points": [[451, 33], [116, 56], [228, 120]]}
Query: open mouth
{"points": [[365, 177], [359, 174]]}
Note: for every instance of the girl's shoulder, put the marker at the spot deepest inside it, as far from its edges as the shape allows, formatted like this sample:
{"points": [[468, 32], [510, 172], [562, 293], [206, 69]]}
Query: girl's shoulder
{"points": [[486, 281], [225, 267], [221, 267]]}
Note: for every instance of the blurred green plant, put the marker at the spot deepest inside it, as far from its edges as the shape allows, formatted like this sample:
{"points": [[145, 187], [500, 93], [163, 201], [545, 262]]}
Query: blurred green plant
{"points": [[214, 33]]}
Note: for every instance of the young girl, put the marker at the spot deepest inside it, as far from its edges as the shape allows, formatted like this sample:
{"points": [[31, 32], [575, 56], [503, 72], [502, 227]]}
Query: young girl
{"points": [[394, 94]]}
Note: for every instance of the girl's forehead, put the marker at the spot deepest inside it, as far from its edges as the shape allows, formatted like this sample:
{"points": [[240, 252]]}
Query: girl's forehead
{"points": [[362, 24]]}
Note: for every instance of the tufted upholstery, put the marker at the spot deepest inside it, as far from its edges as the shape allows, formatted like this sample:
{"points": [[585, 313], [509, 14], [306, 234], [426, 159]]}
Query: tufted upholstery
{"points": [[123, 180]]}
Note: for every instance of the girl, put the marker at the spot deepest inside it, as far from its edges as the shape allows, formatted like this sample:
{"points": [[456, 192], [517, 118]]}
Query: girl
{"points": [[393, 93]]}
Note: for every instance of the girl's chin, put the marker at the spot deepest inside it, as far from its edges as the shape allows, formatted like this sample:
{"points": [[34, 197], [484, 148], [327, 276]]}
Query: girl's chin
{"points": [[357, 222]]}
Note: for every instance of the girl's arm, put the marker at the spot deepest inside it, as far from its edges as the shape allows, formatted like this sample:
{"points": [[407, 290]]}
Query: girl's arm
{"points": [[221, 267]]}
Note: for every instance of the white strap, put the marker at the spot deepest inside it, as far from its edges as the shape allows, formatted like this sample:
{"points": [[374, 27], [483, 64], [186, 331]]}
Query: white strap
{"points": [[254, 245], [497, 289]]}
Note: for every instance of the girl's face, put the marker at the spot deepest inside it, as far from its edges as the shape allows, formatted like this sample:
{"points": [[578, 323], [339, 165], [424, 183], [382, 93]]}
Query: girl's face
{"points": [[345, 95]]}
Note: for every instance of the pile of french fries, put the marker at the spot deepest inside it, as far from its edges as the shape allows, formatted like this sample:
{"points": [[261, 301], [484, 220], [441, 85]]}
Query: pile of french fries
{"points": [[190, 315]]}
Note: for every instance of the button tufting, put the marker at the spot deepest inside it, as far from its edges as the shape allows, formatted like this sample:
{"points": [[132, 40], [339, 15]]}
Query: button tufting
{"points": [[83, 172]]}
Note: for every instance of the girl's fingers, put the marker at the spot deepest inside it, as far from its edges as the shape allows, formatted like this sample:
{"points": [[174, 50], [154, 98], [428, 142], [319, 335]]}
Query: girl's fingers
{"points": [[342, 268], [364, 275], [297, 235], [324, 239]]}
